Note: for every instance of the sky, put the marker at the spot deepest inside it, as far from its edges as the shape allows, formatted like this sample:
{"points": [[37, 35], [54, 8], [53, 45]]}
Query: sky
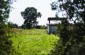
{"points": [[42, 6]]}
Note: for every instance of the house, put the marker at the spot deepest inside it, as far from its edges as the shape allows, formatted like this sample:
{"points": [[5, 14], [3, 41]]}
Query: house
{"points": [[52, 28]]}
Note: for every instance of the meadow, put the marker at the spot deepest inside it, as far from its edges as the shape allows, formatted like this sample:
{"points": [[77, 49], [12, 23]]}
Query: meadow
{"points": [[33, 42]]}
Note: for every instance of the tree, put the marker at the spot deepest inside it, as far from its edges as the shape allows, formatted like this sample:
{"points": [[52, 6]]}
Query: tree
{"points": [[72, 36], [30, 15], [5, 43], [12, 25]]}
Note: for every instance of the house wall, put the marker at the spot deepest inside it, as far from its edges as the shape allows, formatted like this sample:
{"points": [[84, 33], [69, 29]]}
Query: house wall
{"points": [[52, 29]]}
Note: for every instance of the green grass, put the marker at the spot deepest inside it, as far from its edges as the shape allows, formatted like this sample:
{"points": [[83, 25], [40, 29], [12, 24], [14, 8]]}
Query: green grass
{"points": [[33, 42]]}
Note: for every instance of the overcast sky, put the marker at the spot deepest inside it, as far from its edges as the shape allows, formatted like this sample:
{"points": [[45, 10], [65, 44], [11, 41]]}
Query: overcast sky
{"points": [[42, 6]]}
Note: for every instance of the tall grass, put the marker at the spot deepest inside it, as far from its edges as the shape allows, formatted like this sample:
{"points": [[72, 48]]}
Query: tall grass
{"points": [[33, 42]]}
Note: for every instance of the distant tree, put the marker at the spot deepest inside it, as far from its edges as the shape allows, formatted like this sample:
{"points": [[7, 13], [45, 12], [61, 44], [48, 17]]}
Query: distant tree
{"points": [[30, 16], [72, 36], [12, 25]]}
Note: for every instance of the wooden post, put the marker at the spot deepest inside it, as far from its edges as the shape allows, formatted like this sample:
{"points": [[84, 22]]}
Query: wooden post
{"points": [[49, 21]]}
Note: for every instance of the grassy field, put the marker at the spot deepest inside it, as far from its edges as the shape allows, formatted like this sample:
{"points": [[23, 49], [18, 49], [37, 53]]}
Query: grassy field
{"points": [[32, 42]]}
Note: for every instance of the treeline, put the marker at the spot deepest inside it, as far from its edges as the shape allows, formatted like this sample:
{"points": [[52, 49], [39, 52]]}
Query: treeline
{"points": [[14, 25], [36, 27]]}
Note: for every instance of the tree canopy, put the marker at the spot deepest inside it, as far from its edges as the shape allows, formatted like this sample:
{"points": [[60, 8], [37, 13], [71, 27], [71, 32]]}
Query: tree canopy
{"points": [[74, 9], [30, 16], [72, 35], [5, 43]]}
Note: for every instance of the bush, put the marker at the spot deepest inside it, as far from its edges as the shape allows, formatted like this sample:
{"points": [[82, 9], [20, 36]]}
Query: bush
{"points": [[5, 43], [12, 25], [41, 27]]}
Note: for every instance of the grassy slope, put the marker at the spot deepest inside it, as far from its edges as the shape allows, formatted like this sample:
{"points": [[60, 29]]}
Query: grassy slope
{"points": [[33, 42]]}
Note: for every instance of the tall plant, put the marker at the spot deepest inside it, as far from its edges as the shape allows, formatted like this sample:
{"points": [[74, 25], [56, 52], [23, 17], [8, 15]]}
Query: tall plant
{"points": [[5, 43], [72, 35]]}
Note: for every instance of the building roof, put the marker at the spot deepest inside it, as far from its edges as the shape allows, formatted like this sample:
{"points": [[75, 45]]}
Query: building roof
{"points": [[54, 18]]}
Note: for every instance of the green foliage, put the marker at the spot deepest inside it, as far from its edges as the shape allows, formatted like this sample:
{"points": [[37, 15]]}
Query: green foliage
{"points": [[72, 36], [30, 15], [33, 42], [12, 25], [5, 43], [40, 27]]}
